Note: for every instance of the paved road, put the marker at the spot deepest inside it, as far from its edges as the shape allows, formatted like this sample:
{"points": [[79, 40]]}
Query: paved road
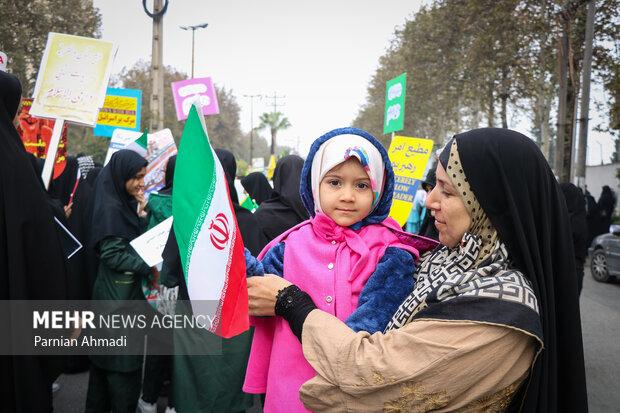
{"points": [[600, 318], [600, 321]]}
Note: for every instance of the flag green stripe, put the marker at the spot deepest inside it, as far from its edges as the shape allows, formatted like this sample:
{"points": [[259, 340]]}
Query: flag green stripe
{"points": [[194, 185]]}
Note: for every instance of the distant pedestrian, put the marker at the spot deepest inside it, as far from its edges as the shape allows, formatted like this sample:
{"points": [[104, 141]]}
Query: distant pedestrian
{"points": [[284, 209], [418, 210], [576, 204], [257, 186], [606, 205], [593, 217]]}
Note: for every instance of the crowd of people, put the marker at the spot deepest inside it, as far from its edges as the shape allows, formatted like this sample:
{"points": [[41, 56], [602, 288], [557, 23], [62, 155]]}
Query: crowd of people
{"points": [[471, 306]]}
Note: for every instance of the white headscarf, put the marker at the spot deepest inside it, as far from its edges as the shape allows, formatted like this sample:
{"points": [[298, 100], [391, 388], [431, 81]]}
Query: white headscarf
{"points": [[336, 151]]}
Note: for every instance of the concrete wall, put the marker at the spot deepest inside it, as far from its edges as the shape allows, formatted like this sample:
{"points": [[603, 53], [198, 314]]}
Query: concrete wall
{"points": [[599, 175]]}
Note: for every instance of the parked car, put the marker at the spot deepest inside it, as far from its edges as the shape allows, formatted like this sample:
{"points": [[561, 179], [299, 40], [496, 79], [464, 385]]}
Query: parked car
{"points": [[605, 255]]}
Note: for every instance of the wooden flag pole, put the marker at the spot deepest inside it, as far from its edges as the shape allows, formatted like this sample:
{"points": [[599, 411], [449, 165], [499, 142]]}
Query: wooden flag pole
{"points": [[50, 156]]}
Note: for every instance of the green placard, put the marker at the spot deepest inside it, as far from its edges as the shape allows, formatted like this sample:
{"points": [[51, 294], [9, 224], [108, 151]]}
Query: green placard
{"points": [[395, 104]]}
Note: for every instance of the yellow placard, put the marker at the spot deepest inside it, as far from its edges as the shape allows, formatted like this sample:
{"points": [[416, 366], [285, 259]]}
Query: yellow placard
{"points": [[271, 168], [118, 111], [409, 157], [73, 78]]}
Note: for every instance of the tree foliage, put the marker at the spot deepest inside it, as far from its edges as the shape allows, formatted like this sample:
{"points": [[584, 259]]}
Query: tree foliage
{"points": [[493, 60], [24, 27], [274, 121]]}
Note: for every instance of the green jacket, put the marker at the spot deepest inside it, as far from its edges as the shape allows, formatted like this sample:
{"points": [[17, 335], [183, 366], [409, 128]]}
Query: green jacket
{"points": [[119, 278], [160, 208], [120, 271]]}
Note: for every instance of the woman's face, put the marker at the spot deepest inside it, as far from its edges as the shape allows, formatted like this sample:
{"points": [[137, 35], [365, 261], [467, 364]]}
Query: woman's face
{"points": [[135, 185], [451, 217]]}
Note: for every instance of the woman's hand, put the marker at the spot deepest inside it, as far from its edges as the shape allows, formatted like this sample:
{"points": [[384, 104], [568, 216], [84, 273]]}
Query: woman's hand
{"points": [[262, 292]]}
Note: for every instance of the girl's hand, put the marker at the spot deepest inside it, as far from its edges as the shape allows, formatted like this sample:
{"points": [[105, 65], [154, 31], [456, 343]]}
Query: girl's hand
{"points": [[154, 279], [68, 209], [142, 202], [262, 292]]}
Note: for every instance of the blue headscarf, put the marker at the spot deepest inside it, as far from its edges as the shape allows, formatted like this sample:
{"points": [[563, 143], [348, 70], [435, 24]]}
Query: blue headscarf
{"points": [[382, 208]]}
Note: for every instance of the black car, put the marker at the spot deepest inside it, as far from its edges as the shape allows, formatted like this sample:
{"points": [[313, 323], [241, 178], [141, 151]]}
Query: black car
{"points": [[605, 255]]}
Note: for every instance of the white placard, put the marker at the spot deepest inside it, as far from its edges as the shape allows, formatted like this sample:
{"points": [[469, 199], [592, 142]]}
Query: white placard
{"points": [[150, 245]]}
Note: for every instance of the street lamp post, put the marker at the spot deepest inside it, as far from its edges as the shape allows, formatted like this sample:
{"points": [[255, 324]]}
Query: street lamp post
{"points": [[193, 29], [252, 123]]}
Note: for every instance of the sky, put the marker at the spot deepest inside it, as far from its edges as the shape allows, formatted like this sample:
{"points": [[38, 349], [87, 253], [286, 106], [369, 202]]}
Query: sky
{"points": [[318, 57]]}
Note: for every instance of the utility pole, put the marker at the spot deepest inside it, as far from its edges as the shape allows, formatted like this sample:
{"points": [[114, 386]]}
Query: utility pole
{"points": [[252, 123], [580, 167], [193, 29], [157, 70], [275, 101]]}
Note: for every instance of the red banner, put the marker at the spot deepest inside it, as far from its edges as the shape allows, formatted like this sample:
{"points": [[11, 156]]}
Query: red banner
{"points": [[36, 134]]}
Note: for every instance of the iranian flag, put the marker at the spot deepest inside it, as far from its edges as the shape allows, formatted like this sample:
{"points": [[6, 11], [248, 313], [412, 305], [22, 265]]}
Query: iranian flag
{"points": [[207, 234]]}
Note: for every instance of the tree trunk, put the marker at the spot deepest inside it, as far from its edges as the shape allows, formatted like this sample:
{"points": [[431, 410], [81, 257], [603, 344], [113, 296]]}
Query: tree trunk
{"points": [[580, 167], [491, 109], [562, 104], [504, 98], [273, 141], [545, 131]]}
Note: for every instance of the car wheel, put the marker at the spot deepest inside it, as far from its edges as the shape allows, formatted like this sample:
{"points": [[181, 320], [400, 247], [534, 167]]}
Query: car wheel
{"points": [[600, 272]]}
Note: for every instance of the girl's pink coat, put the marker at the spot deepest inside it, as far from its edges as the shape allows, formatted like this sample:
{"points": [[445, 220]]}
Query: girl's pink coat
{"points": [[277, 366]]}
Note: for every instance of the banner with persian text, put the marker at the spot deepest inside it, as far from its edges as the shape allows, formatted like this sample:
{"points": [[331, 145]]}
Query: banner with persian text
{"points": [[121, 109], [73, 78]]}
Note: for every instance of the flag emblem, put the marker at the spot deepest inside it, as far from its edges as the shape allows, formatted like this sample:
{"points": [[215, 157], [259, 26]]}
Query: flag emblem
{"points": [[219, 231]]}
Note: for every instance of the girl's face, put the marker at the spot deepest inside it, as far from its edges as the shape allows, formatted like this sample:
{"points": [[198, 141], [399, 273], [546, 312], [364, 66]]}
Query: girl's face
{"points": [[345, 193], [135, 185], [451, 217]]}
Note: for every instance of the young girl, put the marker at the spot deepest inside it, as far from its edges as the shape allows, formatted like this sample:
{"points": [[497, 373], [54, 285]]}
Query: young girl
{"points": [[349, 256], [114, 380]]}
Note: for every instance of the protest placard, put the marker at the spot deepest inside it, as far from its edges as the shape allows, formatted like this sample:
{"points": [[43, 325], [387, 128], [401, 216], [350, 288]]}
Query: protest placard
{"points": [[73, 78], [36, 134], [395, 104], [121, 110], [186, 91], [150, 245], [409, 157], [71, 85]]}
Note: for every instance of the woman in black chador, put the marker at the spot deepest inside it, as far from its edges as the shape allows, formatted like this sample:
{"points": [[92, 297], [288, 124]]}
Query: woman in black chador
{"points": [[32, 265], [606, 205], [257, 187], [492, 323]]}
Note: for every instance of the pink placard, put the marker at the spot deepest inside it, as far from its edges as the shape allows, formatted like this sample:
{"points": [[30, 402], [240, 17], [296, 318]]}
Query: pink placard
{"points": [[186, 91]]}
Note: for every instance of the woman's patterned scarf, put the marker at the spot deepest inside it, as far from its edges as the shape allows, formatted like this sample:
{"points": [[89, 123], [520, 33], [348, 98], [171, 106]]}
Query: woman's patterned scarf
{"points": [[447, 273]]}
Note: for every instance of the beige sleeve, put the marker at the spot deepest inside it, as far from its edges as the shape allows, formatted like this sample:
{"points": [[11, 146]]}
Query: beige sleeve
{"points": [[426, 365]]}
